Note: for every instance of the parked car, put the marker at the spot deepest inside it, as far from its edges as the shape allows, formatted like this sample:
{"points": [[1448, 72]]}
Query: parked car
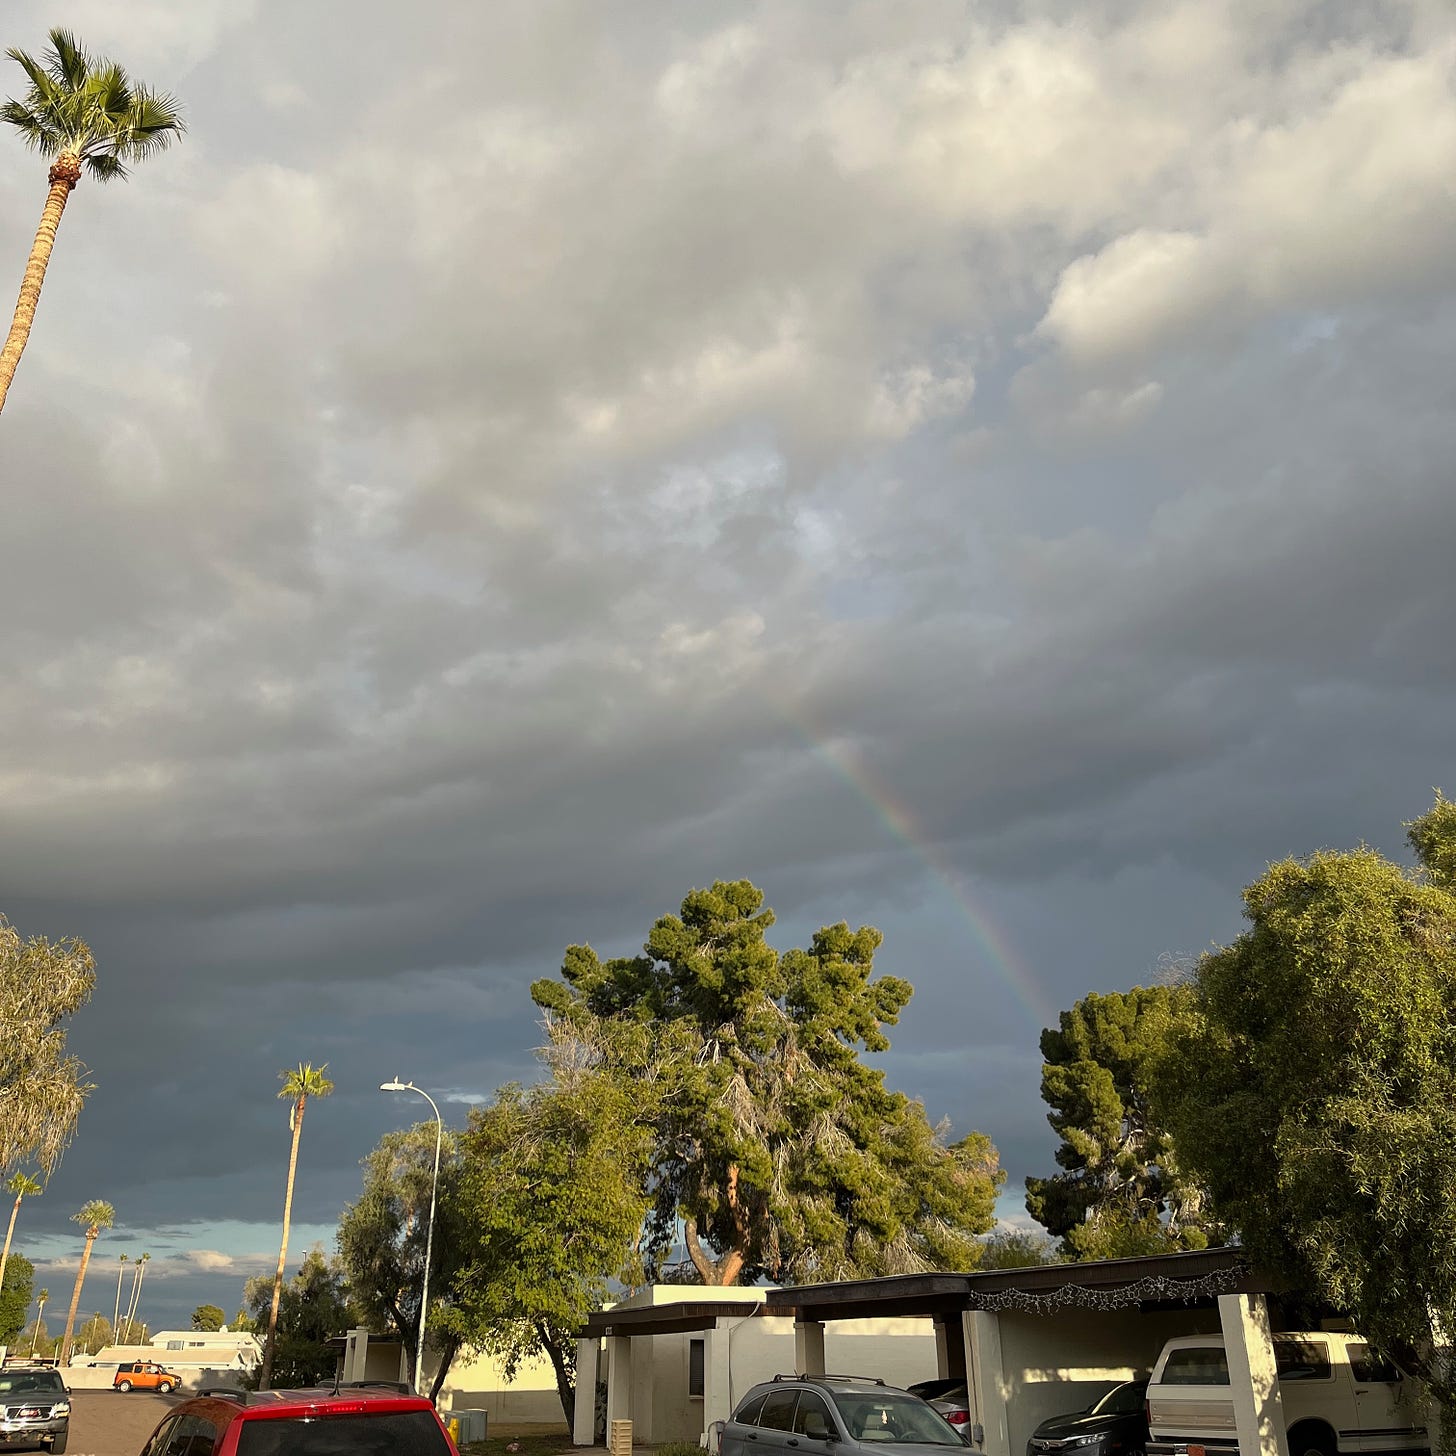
{"points": [[1115, 1425], [1337, 1397], [145, 1375], [936, 1389], [955, 1406], [858, 1415], [35, 1409], [324, 1422]]}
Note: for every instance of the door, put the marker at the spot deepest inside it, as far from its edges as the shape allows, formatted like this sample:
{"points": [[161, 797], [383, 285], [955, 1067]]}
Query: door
{"points": [[1386, 1406], [776, 1422]]}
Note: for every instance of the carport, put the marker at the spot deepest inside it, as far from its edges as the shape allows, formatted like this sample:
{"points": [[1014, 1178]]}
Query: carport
{"points": [[1043, 1341]]}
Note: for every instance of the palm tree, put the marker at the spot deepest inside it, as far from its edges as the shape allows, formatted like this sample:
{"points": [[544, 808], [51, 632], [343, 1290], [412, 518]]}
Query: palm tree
{"points": [[116, 1308], [22, 1187], [93, 1217], [303, 1082], [136, 1291], [85, 113], [41, 1298]]}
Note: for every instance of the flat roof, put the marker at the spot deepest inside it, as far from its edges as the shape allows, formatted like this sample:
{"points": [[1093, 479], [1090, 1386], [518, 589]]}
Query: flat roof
{"points": [[1162, 1279], [669, 1319]]}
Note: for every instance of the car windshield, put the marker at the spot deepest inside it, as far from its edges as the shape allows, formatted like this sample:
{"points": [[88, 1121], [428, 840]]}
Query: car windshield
{"points": [[1121, 1400], [26, 1382], [390, 1433], [895, 1419]]}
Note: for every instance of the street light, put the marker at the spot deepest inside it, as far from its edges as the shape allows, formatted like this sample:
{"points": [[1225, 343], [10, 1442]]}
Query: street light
{"points": [[398, 1086]]}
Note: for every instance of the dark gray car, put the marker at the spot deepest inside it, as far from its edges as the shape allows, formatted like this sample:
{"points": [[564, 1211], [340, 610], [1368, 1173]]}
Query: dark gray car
{"points": [[35, 1409], [809, 1415]]}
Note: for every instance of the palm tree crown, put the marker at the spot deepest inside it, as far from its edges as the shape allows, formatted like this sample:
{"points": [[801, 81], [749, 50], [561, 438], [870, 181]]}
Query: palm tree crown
{"points": [[85, 110], [94, 1216], [304, 1081], [22, 1185]]}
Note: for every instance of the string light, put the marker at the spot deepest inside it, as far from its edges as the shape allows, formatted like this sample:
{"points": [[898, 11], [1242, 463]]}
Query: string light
{"points": [[1153, 1289]]}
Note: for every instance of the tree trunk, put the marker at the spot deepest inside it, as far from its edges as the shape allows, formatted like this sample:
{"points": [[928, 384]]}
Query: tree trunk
{"points": [[719, 1273], [266, 1376], [65, 173], [565, 1387], [448, 1352], [65, 1349], [136, 1295], [9, 1234]]}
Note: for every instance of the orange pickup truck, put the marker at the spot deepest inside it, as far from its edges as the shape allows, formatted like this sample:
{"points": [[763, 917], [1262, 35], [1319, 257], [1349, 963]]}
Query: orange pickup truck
{"points": [[145, 1375]]}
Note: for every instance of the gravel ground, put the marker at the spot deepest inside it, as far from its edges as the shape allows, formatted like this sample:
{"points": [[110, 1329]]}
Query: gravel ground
{"points": [[104, 1423]]}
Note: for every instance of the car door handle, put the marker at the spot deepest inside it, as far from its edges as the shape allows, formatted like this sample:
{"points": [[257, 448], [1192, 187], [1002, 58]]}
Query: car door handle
{"points": [[793, 1441]]}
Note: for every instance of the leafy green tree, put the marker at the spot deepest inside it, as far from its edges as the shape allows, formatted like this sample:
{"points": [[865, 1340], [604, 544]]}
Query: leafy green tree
{"points": [[314, 1307], [382, 1238], [93, 1217], [1323, 1115], [243, 1322], [22, 1186], [94, 1335], [1120, 1192], [208, 1317], [15, 1292], [777, 1152], [1018, 1249], [552, 1181], [42, 1090], [86, 115], [299, 1084]]}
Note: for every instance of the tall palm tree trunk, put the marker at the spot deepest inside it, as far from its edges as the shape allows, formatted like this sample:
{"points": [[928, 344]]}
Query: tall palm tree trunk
{"points": [[65, 1349], [136, 1294], [9, 1234], [266, 1377], [65, 173]]}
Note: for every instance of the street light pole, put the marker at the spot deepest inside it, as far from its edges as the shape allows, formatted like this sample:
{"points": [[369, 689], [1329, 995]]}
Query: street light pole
{"points": [[398, 1086]]}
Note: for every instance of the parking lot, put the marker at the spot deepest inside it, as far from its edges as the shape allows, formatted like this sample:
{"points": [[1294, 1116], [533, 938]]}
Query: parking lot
{"points": [[104, 1423]]}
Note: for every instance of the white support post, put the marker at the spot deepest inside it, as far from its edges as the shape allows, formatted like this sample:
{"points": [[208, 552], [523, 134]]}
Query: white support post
{"points": [[809, 1347], [717, 1376], [619, 1379], [986, 1381], [1253, 1375], [584, 1423]]}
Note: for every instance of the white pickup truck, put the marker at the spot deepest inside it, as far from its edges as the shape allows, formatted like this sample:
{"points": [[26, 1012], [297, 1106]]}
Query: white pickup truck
{"points": [[1338, 1398]]}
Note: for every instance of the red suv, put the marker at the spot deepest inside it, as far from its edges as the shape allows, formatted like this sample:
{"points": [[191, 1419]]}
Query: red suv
{"points": [[324, 1422]]}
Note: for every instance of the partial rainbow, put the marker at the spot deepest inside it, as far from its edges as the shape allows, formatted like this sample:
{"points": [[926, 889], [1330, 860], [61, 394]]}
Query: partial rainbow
{"points": [[1005, 962]]}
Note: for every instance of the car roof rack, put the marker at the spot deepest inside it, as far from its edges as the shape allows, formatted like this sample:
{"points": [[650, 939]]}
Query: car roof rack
{"points": [[856, 1379], [400, 1387], [224, 1392]]}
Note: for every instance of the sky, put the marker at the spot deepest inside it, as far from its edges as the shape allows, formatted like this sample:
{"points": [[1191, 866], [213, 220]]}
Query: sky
{"points": [[981, 470]]}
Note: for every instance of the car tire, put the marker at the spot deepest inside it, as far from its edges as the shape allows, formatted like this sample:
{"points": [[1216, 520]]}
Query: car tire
{"points": [[1311, 1438], [165, 1388], [124, 1386], [58, 1446]]}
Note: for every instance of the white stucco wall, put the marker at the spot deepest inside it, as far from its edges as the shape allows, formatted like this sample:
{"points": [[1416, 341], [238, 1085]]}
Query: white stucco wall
{"points": [[1057, 1363], [478, 1383]]}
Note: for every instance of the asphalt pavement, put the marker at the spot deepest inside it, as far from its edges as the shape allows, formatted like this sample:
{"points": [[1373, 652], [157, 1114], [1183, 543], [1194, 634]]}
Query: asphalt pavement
{"points": [[105, 1423]]}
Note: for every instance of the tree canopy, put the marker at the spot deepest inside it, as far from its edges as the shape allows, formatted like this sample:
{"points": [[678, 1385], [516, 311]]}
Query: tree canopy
{"points": [[776, 1151], [1121, 1191], [208, 1317], [1323, 1116], [15, 1297], [42, 1090], [314, 1307], [553, 1178], [382, 1239]]}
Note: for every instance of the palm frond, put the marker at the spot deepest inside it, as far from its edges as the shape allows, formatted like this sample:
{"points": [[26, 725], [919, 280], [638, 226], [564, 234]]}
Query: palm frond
{"points": [[32, 128], [69, 64], [104, 167]]}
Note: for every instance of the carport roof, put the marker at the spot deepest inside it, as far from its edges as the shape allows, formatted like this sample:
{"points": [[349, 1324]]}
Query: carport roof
{"points": [[1191, 1278], [668, 1319]]}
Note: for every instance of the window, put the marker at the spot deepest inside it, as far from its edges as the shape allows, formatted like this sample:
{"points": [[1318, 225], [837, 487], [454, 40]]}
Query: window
{"points": [[1198, 1365], [1371, 1369], [812, 1417], [191, 1436], [1122, 1400], [778, 1410], [176, 1344], [696, 1352], [157, 1446], [747, 1413], [1301, 1359], [399, 1433]]}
